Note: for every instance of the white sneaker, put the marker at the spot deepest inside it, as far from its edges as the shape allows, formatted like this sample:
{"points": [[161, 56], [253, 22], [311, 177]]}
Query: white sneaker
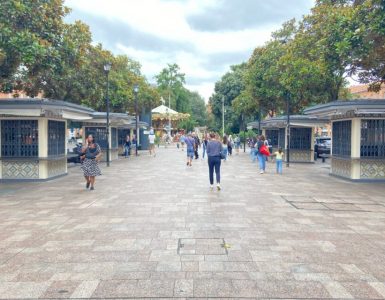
{"points": [[211, 186], [218, 187], [261, 172]]}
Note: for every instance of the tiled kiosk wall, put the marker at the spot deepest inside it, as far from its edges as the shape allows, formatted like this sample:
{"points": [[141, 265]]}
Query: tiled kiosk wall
{"points": [[35, 168], [354, 166]]}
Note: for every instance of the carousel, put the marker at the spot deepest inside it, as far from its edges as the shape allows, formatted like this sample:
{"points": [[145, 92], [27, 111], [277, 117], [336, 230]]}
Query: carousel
{"points": [[166, 120]]}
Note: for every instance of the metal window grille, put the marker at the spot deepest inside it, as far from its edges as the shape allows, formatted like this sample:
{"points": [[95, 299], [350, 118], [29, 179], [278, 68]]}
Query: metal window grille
{"points": [[272, 136], [373, 138], [342, 138], [300, 138], [114, 138], [56, 138], [19, 138], [281, 138], [99, 134]]}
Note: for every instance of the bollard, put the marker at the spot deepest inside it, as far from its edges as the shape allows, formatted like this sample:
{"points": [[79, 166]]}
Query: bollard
{"points": [[323, 158]]}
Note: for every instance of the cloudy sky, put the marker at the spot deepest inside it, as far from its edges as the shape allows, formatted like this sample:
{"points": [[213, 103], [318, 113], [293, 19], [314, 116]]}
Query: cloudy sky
{"points": [[204, 37]]}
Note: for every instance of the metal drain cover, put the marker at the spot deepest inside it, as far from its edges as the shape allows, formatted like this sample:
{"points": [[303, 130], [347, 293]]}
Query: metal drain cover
{"points": [[202, 246]]}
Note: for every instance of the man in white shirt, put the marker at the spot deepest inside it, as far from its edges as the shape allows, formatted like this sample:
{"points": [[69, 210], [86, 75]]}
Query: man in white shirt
{"points": [[151, 140]]}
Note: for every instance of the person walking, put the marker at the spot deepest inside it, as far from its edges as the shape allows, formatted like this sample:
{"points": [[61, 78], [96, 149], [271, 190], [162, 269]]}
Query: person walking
{"points": [[237, 141], [261, 156], [182, 141], [91, 155], [204, 145], [197, 145], [214, 150], [278, 160], [230, 145], [190, 145], [225, 147], [151, 140], [253, 149], [127, 146]]}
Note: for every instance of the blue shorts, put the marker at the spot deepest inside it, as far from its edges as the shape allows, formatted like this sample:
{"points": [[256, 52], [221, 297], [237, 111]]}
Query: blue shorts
{"points": [[190, 152]]}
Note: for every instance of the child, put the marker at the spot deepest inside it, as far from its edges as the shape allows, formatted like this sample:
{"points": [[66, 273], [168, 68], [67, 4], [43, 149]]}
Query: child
{"points": [[278, 158]]}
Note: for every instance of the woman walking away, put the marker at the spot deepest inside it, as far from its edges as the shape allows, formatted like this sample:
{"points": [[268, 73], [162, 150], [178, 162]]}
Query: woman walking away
{"points": [[224, 147], [91, 155], [190, 144], [260, 155], [214, 149], [278, 160]]}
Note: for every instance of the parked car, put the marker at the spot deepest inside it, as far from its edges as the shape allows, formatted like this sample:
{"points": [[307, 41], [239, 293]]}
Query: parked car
{"points": [[322, 146]]}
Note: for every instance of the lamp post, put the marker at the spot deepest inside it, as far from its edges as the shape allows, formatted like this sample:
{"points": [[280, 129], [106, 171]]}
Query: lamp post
{"points": [[107, 68], [288, 129], [169, 117], [136, 90], [223, 115]]}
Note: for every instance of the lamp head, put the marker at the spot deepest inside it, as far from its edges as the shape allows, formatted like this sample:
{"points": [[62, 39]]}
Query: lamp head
{"points": [[136, 88], [107, 67]]}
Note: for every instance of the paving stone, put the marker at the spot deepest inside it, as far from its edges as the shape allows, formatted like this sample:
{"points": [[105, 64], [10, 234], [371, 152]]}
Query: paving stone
{"points": [[184, 288], [85, 289], [113, 243], [337, 290]]}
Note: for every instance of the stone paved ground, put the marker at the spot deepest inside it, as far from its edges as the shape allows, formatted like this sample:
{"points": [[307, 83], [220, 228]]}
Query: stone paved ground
{"points": [[152, 228]]}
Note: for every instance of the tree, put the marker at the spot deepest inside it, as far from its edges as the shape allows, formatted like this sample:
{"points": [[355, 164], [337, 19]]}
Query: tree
{"points": [[197, 109], [170, 83], [229, 87], [369, 58], [30, 36]]}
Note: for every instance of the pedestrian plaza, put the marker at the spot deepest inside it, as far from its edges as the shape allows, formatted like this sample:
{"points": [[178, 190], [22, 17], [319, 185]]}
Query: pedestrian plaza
{"points": [[152, 228]]}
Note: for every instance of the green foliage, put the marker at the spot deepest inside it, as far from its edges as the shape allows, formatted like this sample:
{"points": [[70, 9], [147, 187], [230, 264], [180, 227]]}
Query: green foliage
{"points": [[308, 62], [249, 134], [30, 36], [170, 82], [41, 53], [228, 89]]}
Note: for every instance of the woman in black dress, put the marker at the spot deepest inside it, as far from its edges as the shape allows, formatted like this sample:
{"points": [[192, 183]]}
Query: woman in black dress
{"points": [[90, 166]]}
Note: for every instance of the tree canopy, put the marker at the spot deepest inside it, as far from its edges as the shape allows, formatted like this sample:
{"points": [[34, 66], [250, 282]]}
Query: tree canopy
{"points": [[40, 53], [308, 61]]}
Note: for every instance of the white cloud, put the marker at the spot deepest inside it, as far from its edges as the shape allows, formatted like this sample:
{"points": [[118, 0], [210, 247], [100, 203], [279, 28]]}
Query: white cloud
{"points": [[167, 20]]}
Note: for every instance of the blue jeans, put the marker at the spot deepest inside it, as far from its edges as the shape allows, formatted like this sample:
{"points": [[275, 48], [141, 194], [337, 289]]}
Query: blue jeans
{"points": [[190, 152], [279, 166], [224, 152], [253, 155], [214, 163], [126, 151], [261, 161]]}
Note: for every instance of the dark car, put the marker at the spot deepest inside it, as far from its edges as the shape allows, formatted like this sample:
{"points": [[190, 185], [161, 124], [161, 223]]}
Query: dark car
{"points": [[322, 146]]}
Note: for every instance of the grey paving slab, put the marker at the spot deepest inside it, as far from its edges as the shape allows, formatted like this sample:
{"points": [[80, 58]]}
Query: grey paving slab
{"points": [[300, 235]]}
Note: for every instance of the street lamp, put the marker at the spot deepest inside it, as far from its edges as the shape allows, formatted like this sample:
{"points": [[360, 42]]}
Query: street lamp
{"points": [[223, 115], [287, 95], [107, 68], [136, 90], [244, 132], [169, 117]]}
